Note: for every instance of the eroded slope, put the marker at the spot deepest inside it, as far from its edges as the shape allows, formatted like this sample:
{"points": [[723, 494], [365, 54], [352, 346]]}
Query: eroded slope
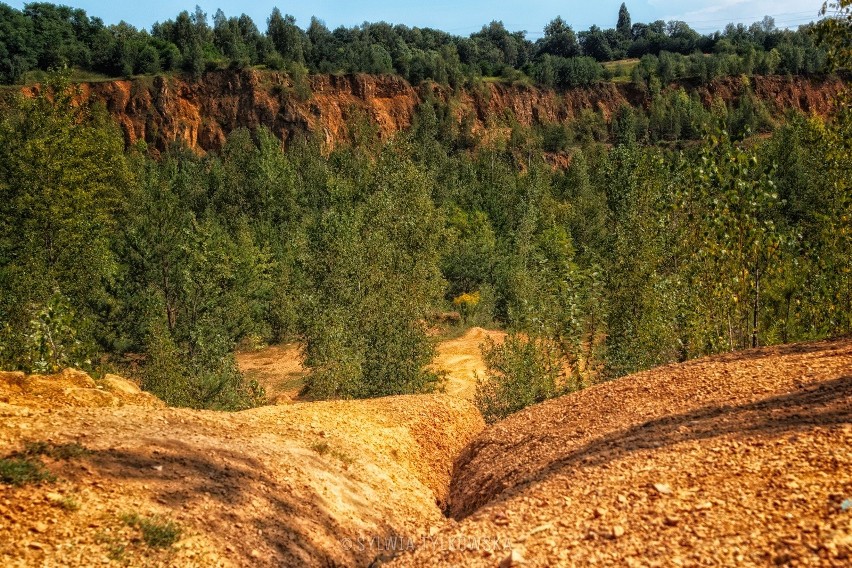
{"points": [[201, 114], [738, 459], [300, 484]]}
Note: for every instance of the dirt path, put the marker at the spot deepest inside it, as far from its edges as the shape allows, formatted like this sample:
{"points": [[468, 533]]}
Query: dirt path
{"points": [[461, 360], [279, 368]]}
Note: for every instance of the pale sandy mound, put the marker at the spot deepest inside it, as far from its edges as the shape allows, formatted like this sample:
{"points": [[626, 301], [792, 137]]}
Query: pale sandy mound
{"points": [[307, 484], [71, 388], [461, 360], [742, 459], [278, 368]]}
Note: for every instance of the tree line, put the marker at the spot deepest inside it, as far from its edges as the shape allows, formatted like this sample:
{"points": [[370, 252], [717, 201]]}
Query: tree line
{"points": [[44, 36], [634, 255]]}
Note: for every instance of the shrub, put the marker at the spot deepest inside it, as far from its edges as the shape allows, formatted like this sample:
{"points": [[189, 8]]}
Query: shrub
{"points": [[467, 304], [58, 452], [521, 372], [208, 378]]}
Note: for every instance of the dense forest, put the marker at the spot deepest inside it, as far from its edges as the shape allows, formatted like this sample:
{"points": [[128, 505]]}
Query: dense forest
{"points": [[45, 36], [633, 255]]}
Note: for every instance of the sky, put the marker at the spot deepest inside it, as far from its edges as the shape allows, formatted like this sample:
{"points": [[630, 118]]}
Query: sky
{"points": [[463, 17]]}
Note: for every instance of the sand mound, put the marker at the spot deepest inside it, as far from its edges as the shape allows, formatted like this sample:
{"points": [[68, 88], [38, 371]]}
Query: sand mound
{"points": [[306, 484], [71, 388], [738, 459]]}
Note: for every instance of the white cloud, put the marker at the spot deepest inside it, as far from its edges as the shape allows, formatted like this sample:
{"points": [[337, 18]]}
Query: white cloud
{"points": [[709, 15]]}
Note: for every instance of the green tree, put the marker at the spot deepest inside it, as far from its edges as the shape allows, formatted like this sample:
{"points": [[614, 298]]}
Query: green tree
{"points": [[17, 44], [559, 40], [373, 276], [739, 205], [62, 170], [624, 27], [193, 290], [286, 36], [835, 32]]}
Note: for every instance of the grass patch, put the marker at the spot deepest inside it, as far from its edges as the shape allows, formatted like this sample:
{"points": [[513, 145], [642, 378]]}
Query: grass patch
{"points": [[156, 531], [116, 549], [22, 470], [68, 503], [621, 70], [324, 449], [55, 451], [77, 76]]}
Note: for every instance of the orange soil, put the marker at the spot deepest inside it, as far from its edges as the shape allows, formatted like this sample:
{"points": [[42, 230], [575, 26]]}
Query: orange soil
{"points": [[736, 459], [299, 484], [739, 459]]}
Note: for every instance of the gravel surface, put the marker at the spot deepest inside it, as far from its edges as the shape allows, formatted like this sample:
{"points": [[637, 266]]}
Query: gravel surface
{"points": [[740, 459]]}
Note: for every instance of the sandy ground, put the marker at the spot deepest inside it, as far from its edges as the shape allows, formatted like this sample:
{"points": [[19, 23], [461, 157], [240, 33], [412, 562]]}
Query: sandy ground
{"points": [[740, 459], [461, 360], [280, 371], [308, 484]]}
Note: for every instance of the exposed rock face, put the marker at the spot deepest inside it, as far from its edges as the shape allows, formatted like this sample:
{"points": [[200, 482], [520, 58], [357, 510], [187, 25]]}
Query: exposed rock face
{"points": [[162, 110]]}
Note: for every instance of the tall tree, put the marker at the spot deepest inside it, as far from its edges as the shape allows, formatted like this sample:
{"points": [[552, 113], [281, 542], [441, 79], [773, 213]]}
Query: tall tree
{"points": [[373, 275], [559, 39], [623, 27], [287, 38]]}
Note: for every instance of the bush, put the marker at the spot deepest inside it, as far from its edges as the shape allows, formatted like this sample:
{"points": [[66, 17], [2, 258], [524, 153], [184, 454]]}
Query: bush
{"points": [[521, 372], [208, 378], [51, 341], [55, 451], [22, 470], [467, 304]]}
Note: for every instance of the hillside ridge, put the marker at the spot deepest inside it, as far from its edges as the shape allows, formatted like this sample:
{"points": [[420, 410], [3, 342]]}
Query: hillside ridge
{"points": [[741, 458], [161, 110]]}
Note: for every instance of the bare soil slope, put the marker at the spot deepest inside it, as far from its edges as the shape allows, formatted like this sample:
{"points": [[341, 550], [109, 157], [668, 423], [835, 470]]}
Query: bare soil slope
{"points": [[161, 110], [741, 459], [293, 485]]}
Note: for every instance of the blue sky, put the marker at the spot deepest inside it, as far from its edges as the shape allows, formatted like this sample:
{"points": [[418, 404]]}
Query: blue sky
{"points": [[462, 17]]}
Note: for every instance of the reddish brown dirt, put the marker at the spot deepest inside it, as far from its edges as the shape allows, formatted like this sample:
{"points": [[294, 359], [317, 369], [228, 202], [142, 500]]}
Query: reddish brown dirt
{"points": [[740, 459], [201, 114]]}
